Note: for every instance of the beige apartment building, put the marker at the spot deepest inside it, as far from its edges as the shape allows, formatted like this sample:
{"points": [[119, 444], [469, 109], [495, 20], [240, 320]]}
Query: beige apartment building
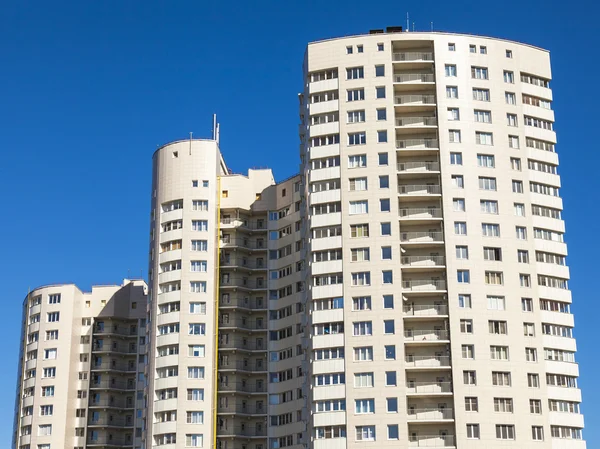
{"points": [[81, 368], [407, 289]]}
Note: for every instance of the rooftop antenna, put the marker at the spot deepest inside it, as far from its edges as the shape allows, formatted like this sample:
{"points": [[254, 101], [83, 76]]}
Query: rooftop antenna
{"points": [[407, 23], [413, 27], [191, 134], [214, 129]]}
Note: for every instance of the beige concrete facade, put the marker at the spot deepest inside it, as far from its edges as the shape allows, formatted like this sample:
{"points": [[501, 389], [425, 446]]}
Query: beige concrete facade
{"points": [[81, 368], [433, 156]]}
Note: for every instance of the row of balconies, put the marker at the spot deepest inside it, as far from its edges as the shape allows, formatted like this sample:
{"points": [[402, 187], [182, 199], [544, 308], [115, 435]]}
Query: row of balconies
{"points": [[243, 323], [243, 365], [243, 302], [242, 344], [244, 283], [243, 262], [244, 224]]}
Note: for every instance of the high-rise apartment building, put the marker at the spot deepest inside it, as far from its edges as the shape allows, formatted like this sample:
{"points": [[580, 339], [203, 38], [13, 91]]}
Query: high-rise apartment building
{"points": [[81, 367], [407, 289]]}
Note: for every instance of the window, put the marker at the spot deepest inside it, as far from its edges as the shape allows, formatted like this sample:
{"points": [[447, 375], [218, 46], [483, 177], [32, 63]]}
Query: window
{"points": [[201, 205], [462, 252], [509, 77], [50, 354], [479, 73], [360, 254], [198, 308], [388, 327], [453, 114], [503, 405], [487, 183], [386, 229], [195, 418], [384, 205], [529, 329], [494, 278], [362, 328], [197, 287], [359, 48], [382, 114], [365, 433], [383, 159], [458, 181], [199, 245], [490, 253], [450, 70], [537, 433], [499, 352], [505, 431], [536, 101], [468, 352], [458, 204], [53, 317], [359, 207], [354, 73], [510, 98], [515, 163], [196, 329], [380, 46], [199, 225], [525, 280], [531, 355], [359, 230], [390, 352], [533, 380], [472, 49], [464, 301], [48, 391], [363, 354], [485, 160], [455, 158], [466, 326], [54, 299], [196, 372], [481, 94], [469, 378], [509, 54], [44, 430], [488, 207], [349, 50], [460, 228], [527, 304], [536, 81], [452, 92], [521, 232], [388, 301], [511, 120], [358, 184], [359, 138], [196, 350], [357, 161], [380, 92], [483, 50], [356, 94], [198, 265], [471, 404], [473, 431], [482, 116], [356, 116], [379, 70], [390, 379], [462, 276], [513, 142], [454, 136], [501, 378], [363, 380], [364, 406], [382, 136], [483, 138], [393, 433], [451, 47], [522, 256], [46, 410], [496, 302], [384, 182]]}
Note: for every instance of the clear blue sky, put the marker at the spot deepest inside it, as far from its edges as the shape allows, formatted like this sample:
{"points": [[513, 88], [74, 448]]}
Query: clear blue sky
{"points": [[88, 90]]}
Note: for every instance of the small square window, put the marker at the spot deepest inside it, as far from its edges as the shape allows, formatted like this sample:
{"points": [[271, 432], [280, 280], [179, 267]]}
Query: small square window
{"points": [[388, 277], [392, 405], [509, 54], [451, 47], [384, 204], [389, 327], [204, 183], [384, 182], [359, 48], [472, 49], [388, 301], [175, 154], [383, 159], [393, 433], [386, 253], [195, 183], [386, 229], [390, 379], [382, 114], [382, 136], [225, 194], [380, 92], [380, 46], [349, 50], [379, 70], [390, 352], [483, 50]]}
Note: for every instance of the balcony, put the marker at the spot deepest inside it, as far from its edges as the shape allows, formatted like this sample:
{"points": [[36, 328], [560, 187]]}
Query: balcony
{"points": [[431, 441], [429, 388], [113, 365], [110, 441], [243, 263], [116, 330], [241, 345], [251, 325], [106, 421], [120, 348], [113, 384], [425, 310], [422, 238], [242, 410], [416, 122], [430, 414], [426, 361], [412, 56], [418, 167], [237, 223], [246, 244], [243, 387], [417, 144], [242, 303], [243, 431], [419, 191], [425, 335], [423, 285], [415, 100], [414, 78], [420, 213], [243, 283], [418, 262], [241, 365], [112, 402]]}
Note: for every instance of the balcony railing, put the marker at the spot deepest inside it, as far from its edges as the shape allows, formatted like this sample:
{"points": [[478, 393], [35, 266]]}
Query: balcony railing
{"points": [[419, 121], [229, 242], [426, 361], [414, 78], [416, 143], [422, 261], [232, 387], [430, 414], [418, 167], [419, 189], [113, 365], [109, 440], [243, 303], [425, 310], [115, 421], [246, 431], [431, 441], [421, 237], [240, 365], [107, 330], [243, 324], [429, 387], [114, 384], [247, 410], [412, 56], [240, 262], [253, 225], [425, 335], [108, 347], [240, 343], [414, 99], [252, 284], [420, 212], [112, 402], [423, 285]]}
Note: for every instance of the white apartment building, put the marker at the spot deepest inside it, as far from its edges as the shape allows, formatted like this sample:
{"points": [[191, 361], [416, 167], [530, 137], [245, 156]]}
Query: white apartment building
{"points": [[438, 282], [81, 367]]}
